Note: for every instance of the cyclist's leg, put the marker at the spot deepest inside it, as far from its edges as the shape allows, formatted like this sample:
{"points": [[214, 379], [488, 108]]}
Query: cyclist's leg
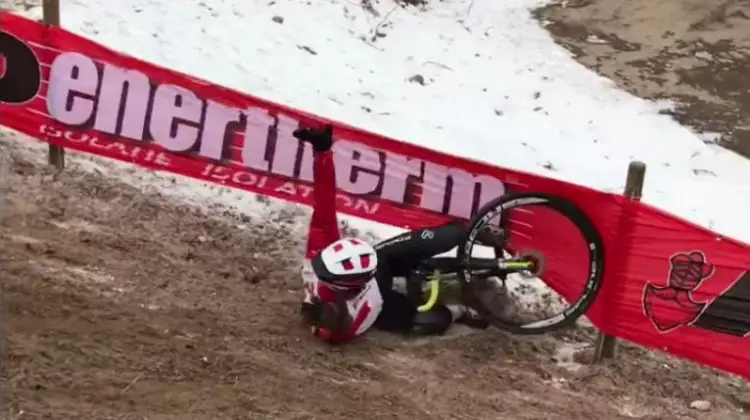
{"points": [[401, 256], [400, 315], [399, 312], [403, 252], [436, 321]]}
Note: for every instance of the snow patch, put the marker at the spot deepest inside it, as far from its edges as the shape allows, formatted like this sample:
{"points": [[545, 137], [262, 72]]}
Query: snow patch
{"points": [[565, 355]]}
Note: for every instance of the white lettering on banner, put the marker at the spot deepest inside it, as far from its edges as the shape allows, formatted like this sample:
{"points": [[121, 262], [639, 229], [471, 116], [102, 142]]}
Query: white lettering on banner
{"points": [[256, 139], [126, 150], [403, 170], [218, 118], [442, 185], [114, 82], [223, 174], [286, 147], [306, 164], [175, 118], [126, 103], [72, 94], [358, 168]]}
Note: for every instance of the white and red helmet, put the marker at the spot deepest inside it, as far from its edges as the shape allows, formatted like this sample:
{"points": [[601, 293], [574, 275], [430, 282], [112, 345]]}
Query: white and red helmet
{"points": [[348, 263]]}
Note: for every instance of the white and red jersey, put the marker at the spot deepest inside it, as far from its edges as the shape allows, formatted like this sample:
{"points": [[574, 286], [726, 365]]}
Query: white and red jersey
{"points": [[365, 306]]}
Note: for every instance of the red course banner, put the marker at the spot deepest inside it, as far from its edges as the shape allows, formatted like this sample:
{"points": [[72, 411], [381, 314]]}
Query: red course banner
{"points": [[668, 284]]}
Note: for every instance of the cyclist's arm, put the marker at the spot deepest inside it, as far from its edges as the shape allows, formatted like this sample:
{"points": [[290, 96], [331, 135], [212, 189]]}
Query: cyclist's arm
{"points": [[362, 310], [324, 228]]}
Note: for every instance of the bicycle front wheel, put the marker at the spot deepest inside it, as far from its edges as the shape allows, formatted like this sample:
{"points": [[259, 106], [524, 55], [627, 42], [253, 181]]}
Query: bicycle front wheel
{"points": [[562, 242]]}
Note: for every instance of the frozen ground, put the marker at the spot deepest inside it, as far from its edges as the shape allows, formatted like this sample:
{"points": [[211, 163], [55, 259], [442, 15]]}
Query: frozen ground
{"points": [[497, 88]]}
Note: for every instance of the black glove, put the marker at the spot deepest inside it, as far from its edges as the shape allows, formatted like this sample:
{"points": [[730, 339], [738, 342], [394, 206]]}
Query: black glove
{"points": [[311, 312], [333, 316], [320, 138]]}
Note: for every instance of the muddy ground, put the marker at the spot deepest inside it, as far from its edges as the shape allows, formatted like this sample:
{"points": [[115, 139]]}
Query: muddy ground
{"points": [[120, 304], [694, 52]]}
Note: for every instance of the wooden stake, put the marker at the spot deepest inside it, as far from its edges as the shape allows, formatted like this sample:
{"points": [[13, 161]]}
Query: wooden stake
{"points": [[606, 345], [51, 11]]}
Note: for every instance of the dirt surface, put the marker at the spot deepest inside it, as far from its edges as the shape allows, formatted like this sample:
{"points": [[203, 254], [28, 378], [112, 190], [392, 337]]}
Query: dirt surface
{"points": [[695, 52], [119, 304]]}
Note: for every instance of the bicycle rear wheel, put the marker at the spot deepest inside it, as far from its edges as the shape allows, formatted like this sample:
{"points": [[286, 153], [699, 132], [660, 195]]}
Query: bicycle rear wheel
{"points": [[589, 270]]}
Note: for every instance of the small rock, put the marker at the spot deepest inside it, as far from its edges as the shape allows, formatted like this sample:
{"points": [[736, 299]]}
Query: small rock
{"points": [[704, 55], [417, 78], [308, 49], [252, 278], [593, 39], [278, 19], [703, 172], [700, 405]]}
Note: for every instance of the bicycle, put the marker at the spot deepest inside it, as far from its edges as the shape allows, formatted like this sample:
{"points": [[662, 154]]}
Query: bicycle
{"points": [[470, 271]]}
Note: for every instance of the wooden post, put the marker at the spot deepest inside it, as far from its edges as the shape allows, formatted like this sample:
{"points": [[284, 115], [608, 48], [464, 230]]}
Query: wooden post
{"points": [[51, 12], [606, 345]]}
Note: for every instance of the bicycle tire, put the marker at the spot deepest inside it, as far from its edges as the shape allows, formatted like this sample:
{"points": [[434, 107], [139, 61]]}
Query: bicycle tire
{"points": [[583, 223]]}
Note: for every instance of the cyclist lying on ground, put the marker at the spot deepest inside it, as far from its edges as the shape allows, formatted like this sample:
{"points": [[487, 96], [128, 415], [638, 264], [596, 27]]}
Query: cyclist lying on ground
{"points": [[349, 283]]}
